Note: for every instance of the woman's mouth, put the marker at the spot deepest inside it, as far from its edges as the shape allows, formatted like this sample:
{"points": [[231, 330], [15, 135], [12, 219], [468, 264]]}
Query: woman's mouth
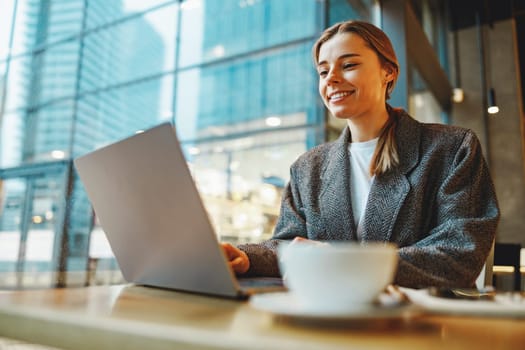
{"points": [[338, 96]]}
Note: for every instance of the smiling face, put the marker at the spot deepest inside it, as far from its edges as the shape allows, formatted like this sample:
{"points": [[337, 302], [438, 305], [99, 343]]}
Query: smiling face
{"points": [[352, 81]]}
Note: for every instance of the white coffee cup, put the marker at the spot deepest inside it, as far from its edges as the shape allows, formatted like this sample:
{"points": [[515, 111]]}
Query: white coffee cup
{"points": [[337, 276]]}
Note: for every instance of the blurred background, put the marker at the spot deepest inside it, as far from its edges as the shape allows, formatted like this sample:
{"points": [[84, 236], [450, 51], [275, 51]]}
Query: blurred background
{"points": [[237, 80]]}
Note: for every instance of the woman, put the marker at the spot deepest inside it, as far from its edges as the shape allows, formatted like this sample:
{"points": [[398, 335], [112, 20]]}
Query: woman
{"points": [[424, 187]]}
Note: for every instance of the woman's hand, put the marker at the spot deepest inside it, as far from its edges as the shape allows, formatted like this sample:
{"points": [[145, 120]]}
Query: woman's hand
{"points": [[302, 240], [239, 261]]}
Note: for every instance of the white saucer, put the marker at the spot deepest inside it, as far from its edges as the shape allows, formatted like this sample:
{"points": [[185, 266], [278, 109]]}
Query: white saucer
{"points": [[284, 304]]}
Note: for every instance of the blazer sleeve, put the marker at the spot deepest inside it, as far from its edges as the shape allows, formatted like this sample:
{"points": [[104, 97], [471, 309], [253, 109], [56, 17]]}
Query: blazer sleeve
{"points": [[454, 251], [291, 223]]}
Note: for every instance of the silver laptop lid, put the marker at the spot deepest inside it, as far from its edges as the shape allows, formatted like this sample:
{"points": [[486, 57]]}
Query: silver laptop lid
{"points": [[144, 196]]}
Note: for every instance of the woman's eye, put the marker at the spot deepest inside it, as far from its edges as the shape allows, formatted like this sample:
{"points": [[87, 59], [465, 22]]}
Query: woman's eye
{"points": [[349, 65], [323, 73]]}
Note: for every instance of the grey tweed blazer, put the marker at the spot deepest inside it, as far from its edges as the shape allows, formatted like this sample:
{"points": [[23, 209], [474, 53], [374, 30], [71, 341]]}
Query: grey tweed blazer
{"points": [[439, 205]]}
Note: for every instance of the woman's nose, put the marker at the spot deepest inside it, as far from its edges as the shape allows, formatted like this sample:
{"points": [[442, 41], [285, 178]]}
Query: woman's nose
{"points": [[333, 76]]}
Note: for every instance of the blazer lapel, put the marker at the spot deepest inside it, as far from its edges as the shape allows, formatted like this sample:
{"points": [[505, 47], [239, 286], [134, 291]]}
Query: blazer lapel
{"points": [[385, 199], [335, 203], [388, 192]]}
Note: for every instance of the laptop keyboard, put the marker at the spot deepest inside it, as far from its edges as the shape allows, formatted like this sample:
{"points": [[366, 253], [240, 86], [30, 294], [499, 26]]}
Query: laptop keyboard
{"points": [[258, 282]]}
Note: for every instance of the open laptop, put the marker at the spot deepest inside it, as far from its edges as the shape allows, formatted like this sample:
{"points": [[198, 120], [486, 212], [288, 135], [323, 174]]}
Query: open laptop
{"points": [[151, 211]]}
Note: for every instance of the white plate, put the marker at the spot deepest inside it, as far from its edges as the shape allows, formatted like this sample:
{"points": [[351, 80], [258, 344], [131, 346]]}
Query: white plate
{"points": [[504, 304], [284, 304]]}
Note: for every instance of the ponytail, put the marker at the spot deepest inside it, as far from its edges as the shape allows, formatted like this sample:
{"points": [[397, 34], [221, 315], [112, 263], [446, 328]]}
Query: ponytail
{"points": [[385, 156]]}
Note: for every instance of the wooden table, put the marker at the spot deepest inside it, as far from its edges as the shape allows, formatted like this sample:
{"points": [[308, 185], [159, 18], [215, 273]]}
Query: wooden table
{"points": [[133, 317]]}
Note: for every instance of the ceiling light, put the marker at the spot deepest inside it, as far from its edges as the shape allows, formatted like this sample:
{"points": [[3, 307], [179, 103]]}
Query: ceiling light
{"points": [[493, 107], [273, 121]]}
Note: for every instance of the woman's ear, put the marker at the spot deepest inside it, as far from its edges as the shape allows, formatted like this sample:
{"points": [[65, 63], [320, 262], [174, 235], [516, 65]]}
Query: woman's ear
{"points": [[387, 78], [388, 75]]}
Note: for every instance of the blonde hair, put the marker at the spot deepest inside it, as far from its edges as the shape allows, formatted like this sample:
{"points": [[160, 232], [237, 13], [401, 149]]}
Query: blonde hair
{"points": [[385, 157]]}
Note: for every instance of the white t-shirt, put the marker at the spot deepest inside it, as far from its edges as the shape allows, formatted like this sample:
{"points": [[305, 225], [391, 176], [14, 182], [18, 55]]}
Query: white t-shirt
{"points": [[360, 179]]}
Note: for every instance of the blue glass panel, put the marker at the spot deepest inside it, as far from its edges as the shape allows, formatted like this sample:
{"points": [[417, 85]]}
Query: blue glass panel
{"points": [[47, 132], [102, 12], [11, 216], [59, 20], [109, 115], [6, 20], [44, 228], [26, 27], [341, 10], [30, 231], [43, 22], [139, 47], [54, 73], [3, 72], [18, 83], [11, 140], [41, 135], [48, 75], [212, 30], [238, 96]]}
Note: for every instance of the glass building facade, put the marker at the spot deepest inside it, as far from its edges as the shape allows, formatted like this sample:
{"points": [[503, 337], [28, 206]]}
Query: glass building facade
{"points": [[235, 77]]}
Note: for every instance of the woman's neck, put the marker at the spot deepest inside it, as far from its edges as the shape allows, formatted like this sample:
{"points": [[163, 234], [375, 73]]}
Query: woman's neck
{"points": [[367, 128]]}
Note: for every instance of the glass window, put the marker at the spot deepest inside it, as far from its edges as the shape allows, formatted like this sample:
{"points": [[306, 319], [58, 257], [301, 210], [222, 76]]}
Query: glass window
{"points": [[61, 19], [80, 226], [31, 219], [49, 75], [341, 10], [139, 47], [212, 30], [237, 81], [54, 73], [102, 12], [25, 27], [44, 227], [3, 82], [242, 140], [18, 83], [241, 179], [37, 25], [47, 133], [41, 135], [11, 140], [12, 196], [240, 96], [109, 115], [6, 20]]}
